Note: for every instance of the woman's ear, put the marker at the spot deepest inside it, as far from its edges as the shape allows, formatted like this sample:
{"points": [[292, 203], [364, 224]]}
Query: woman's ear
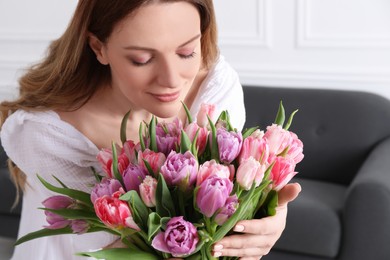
{"points": [[98, 48]]}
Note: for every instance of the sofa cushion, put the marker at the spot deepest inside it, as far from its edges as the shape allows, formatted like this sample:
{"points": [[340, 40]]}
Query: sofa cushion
{"points": [[314, 220], [6, 247]]}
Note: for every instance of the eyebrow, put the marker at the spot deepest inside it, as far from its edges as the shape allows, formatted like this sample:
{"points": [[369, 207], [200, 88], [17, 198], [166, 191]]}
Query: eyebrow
{"points": [[133, 47]]}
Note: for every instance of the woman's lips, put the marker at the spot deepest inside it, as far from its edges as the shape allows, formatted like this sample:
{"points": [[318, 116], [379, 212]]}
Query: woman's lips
{"points": [[167, 97]]}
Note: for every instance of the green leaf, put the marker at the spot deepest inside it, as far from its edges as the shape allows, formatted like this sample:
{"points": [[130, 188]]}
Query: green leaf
{"points": [[154, 224], [214, 143], [164, 202], [185, 142], [115, 169], [280, 116], [120, 254], [139, 211], [123, 127], [149, 168], [152, 134], [290, 119], [141, 137], [271, 202], [242, 210], [75, 194], [248, 132], [43, 233], [188, 113]]}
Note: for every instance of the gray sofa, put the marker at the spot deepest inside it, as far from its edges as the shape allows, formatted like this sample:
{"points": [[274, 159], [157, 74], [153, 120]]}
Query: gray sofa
{"points": [[9, 216], [343, 211]]}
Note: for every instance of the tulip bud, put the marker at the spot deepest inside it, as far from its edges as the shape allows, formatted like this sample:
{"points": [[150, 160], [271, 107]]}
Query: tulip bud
{"points": [[106, 187], [227, 210], [57, 202]]}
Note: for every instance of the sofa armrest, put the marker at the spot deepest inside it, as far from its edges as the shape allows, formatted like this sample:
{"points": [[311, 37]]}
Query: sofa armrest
{"points": [[367, 208]]}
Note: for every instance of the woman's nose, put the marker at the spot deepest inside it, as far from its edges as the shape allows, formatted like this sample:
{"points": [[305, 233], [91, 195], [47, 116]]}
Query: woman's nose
{"points": [[168, 74]]}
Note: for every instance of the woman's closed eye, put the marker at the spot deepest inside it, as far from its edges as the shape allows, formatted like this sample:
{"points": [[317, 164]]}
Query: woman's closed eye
{"points": [[186, 55]]}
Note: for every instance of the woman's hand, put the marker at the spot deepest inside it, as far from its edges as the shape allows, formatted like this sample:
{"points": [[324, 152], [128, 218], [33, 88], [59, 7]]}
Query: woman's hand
{"points": [[258, 236]]}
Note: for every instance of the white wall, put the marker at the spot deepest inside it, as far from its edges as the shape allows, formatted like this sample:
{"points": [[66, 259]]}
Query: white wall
{"points": [[295, 43], [341, 44]]}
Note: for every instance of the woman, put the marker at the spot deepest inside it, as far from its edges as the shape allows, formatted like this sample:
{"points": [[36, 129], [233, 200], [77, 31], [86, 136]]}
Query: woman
{"points": [[117, 55]]}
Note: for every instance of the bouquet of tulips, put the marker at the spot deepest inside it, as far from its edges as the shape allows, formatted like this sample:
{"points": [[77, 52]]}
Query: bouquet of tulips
{"points": [[180, 189]]}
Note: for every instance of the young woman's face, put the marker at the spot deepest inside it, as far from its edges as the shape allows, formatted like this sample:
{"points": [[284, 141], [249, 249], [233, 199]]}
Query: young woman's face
{"points": [[154, 56]]}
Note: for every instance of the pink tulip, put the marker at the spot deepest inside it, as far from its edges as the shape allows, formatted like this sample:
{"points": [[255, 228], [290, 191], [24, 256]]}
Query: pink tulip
{"points": [[212, 168], [205, 110], [147, 190], [282, 172], [114, 212], [255, 146], [57, 202], [130, 148], [201, 140], [155, 160], [295, 150], [278, 139], [179, 239], [229, 145], [105, 159], [249, 171], [212, 194]]}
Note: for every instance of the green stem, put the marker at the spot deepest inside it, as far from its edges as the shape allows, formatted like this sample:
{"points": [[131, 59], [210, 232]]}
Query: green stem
{"points": [[141, 244]]}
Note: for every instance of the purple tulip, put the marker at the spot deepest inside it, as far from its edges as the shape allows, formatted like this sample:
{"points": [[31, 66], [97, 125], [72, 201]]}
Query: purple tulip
{"points": [[229, 145], [179, 239], [57, 202], [168, 136], [227, 211], [212, 194], [180, 169], [133, 177], [106, 187]]}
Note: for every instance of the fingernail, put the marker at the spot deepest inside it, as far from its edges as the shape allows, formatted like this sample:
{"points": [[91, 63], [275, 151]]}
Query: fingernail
{"points": [[217, 254], [218, 247], [238, 228]]}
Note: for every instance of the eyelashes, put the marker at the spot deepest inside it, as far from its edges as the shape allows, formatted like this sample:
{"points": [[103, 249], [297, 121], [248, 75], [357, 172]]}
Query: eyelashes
{"points": [[182, 56]]}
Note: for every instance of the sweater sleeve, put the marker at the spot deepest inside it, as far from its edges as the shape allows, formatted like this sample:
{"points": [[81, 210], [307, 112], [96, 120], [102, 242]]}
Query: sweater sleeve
{"points": [[41, 143]]}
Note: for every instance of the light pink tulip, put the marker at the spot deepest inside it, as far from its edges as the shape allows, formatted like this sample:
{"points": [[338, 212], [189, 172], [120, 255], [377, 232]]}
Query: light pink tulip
{"points": [[205, 110], [147, 190], [295, 150], [249, 171], [278, 139], [201, 140]]}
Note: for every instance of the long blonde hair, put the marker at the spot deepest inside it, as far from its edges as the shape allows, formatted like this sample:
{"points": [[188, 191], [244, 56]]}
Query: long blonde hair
{"points": [[70, 74]]}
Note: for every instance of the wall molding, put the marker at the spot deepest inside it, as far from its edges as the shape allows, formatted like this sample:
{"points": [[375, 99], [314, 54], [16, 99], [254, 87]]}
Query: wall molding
{"points": [[307, 38], [263, 36]]}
